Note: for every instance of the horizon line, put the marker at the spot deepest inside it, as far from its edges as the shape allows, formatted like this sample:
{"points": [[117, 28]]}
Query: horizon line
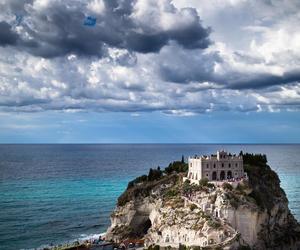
{"points": [[151, 143]]}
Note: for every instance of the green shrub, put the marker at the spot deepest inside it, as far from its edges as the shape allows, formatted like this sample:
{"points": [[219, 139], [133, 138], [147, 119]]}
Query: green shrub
{"points": [[145, 189], [137, 180], [254, 159], [177, 166], [154, 174], [203, 182], [171, 193], [214, 224], [264, 182], [187, 188], [227, 186]]}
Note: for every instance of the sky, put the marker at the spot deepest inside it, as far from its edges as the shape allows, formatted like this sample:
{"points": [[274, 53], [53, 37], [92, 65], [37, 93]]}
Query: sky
{"points": [[144, 71]]}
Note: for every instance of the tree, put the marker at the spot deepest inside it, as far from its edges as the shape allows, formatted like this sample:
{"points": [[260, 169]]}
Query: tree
{"points": [[203, 182], [176, 166], [154, 174], [182, 159]]}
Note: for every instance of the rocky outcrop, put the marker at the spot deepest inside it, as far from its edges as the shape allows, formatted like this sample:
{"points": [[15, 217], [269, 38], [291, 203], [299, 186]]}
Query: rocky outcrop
{"points": [[168, 212]]}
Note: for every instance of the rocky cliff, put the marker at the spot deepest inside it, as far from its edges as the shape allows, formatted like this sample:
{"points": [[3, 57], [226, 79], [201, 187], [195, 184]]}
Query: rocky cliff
{"points": [[165, 211]]}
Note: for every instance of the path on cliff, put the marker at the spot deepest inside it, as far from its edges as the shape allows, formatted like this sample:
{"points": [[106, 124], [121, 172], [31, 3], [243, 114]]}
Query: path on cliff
{"points": [[224, 223]]}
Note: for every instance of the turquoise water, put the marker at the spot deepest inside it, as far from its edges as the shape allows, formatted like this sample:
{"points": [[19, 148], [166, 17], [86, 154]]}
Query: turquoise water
{"points": [[59, 193]]}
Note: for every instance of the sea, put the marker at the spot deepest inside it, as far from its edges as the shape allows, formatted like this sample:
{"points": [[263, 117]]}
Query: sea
{"points": [[55, 194]]}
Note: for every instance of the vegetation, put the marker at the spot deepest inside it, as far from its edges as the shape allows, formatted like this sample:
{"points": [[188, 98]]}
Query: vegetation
{"points": [[154, 174], [203, 182], [226, 186], [170, 193], [254, 159], [214, 224], [177, 166], [145, 189], [152, 247], [176, 202], [233, 199], [188, 188], [137, 180], [263, 180]]}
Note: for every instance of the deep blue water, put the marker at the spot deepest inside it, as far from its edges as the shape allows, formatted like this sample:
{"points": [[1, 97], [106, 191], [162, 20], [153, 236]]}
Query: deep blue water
{"points": [[59, 193]]}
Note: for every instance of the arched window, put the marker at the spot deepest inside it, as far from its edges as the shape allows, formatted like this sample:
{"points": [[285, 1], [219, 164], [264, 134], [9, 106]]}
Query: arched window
{"points": [[214, 165], [214, 176], [222, 175], [222, 165], [229, 175], [229, 165]]}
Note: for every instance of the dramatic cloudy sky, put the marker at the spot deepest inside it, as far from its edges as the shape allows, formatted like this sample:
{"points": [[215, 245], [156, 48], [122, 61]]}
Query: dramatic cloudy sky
{"points": [[150, 71]]}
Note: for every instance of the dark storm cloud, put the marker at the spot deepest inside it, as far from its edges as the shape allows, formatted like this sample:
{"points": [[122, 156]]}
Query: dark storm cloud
{"points": [[189, 67], [58, 30], [264, 81], [7, 36]]}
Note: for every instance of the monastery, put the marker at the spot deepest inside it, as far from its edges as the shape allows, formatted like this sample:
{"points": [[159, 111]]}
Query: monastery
{"points": [[222, 166]]}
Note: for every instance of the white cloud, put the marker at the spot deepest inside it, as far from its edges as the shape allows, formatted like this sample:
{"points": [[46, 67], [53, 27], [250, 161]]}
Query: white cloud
{"points": [[96, 6]]}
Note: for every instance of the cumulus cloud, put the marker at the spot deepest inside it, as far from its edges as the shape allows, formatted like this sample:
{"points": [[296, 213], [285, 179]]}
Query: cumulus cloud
{"points": [[145, 56], [55, 28]]}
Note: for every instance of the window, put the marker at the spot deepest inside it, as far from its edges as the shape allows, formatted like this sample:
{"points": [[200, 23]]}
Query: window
{"points": [[206, 175], [214, 165], [236, 165], [222, 165], [207, 166], [229, 165]]}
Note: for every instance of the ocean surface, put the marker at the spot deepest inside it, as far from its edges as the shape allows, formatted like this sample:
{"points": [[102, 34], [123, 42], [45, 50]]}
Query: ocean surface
{"points": [[60, 193]]}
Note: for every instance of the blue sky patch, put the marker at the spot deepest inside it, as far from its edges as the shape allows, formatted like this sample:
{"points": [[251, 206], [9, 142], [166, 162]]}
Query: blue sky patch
{"points": [[90, 21]]}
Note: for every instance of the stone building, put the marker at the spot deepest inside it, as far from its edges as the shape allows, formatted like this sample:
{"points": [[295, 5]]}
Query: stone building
{"points": [[221, 166]]}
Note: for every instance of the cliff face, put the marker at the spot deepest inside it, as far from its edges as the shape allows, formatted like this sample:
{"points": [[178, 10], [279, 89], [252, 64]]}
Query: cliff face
{"points": [[168, 212]]}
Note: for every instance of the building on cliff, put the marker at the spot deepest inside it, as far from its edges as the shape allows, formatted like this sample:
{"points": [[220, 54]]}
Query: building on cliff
{"points": [[221, 166]]}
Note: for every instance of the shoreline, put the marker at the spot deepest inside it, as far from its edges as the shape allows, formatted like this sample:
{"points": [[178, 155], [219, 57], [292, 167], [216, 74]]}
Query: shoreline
{"points": [[66, 245]]}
